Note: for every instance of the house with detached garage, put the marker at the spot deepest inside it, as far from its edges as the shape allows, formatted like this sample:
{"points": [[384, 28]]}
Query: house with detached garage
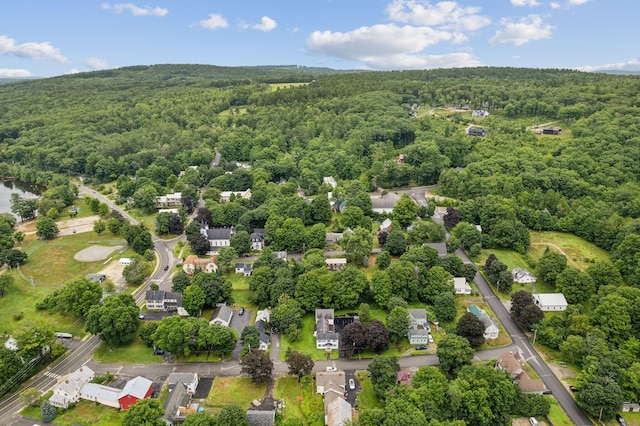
{"points": [[522, 276], [491, 330], [551, 301]]}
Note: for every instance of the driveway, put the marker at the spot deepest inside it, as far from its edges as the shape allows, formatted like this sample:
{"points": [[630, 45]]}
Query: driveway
{"points": [[238, 323], [351, 393]]}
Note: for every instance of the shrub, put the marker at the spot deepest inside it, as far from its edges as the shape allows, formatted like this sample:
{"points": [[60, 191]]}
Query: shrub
{"points": [[47, 412]]}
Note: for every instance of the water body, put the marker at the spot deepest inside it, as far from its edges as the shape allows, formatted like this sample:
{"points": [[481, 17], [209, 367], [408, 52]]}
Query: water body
{"points": [[25, 190]]}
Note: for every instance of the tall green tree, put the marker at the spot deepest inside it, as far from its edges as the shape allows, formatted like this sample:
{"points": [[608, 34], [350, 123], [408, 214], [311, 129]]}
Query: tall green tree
{"points": [[115, 321], [405, 211], [146, 412], [454, 352]]}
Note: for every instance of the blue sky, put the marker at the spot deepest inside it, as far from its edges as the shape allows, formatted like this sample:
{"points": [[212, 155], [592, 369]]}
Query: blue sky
{"points": [[53, 37]]}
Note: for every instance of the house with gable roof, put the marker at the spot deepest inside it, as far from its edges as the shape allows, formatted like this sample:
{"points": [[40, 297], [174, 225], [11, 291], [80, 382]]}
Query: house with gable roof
{"points": [[67, 391], [257, 239], [513, 363], [332, 385], [160, 300], [461, 285], [491, 330], [522, 276], [223, 317], [551, 301], [192, 263], [325, 330], [169, 200], [419, 330], [217, 237]]}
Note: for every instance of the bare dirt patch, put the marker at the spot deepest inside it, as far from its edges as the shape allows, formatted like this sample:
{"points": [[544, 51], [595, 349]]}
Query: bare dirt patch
{"points": [[95, 253], [66, 227]]}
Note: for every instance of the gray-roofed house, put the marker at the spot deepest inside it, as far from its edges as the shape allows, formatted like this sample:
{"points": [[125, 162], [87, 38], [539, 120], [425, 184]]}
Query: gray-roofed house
{"points": [[384, 203], [190, 380], [325, 331], [169, 200], [332, 386], [491, 330], [160, 300], [419, 329], [261, 325], [257, 239], [178, 405], [224, 316], [244, 268], [332, 238], [441, 247], [261, 417], [217, 237], [337, 411], [551, 301], [522, 276], [461, 285], [101, 394]]}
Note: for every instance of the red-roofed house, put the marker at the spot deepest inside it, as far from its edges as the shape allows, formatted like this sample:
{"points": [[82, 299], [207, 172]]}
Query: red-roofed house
{"points": [[135, 389], [404, 377]]}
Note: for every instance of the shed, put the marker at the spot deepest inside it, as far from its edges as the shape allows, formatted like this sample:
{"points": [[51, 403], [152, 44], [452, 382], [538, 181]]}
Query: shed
{"points": [[551, 301]]}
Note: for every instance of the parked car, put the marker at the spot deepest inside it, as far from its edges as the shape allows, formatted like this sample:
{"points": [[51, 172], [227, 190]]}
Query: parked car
{"points": [[547, 392], [241, 311], [166, 267], [141, 316], [158, 351], [620, 420], [332, 368], [421, 348], [430, 338], [573, 389], [533, 421], [352, 384]]}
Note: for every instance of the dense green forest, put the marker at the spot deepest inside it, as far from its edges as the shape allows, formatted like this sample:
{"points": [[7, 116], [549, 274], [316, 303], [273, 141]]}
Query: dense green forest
{"points": [[142, 126]]}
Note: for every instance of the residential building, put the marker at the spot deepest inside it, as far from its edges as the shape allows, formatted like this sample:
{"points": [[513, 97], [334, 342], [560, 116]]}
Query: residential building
{"points": [[551, 131], [264, 315], [170, 211], [336, 264], [327, 381], [479, 113], [124, 261], [385, 226], [630, 407], [441, 247], [225, 196], [491, 330], [333, 238], [329, 180], [169, 200], [514, 364], [193, 263], [476, 131], [257, 239], [182, 387], [245, 269], [384, 203], [551, 301], [261, 325], [325, 332], [217, 237], [223, 317], [461, 285], [404, 377], [160, 300], [332, 385], [522, 276], [419, 330], [101, 394], [261, 417], [67, 391], [282, 255]]}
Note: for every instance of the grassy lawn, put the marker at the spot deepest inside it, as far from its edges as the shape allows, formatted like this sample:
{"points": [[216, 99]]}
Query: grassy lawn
{"points": [[557, 416], [630, 418], [234, 390], [22, 297], [503, 337], [509, 257], [580, 253], [301, 402], [367, 399], [135, 352], [85, 413], [51, 262], [307, 342]]}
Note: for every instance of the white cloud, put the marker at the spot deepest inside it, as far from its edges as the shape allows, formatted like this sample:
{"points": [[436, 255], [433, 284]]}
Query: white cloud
{"points": [[378, 41], [630, 65], [14, 73], [444, 14], [525, 3], [554, 5], [213, 22], [96, 63], [73, 71], [135, 10], [31, 50], [403, 61], [578, 2], [527, 29], [266, 24]]}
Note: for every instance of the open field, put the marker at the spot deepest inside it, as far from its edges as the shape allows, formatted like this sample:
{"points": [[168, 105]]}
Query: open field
{"points": [[22, 297], [234, 390], [301, 402], [52, 262], [135, 352], [580, 253]]}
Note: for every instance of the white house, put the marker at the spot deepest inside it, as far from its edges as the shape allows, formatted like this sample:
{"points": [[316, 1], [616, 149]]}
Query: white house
{"points": [[522, 276], [326, 335], [225, 196], [224, 316], [419, 329], [105, 395], [329, 180], [461, 286], [217, 237], [257, 239], [261, 325], [67, 391], [491, 330], [169, 200], [384, 203], [192, 263], [244, 268], [385, 226], [551, 301], [336, 264], [160, 300]]}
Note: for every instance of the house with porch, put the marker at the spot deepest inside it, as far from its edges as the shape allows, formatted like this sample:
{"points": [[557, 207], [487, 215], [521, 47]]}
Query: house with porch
{"points": [[491, 330], [332, 386], [217, 237], [522, 276], [336, 264], [245, 269], [67, 391], [325, 331]]}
